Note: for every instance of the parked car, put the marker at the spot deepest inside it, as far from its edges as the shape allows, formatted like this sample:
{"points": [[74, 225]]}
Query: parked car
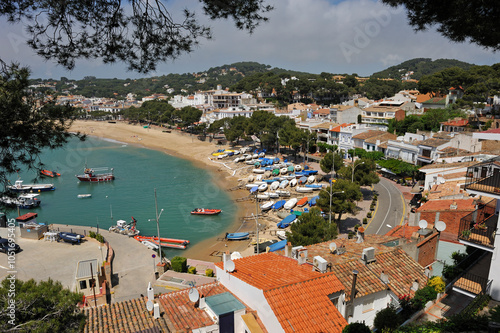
{"points": [[5, 246]]}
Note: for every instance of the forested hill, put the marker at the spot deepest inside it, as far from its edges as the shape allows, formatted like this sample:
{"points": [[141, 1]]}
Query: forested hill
{"points": [[420, 67]]}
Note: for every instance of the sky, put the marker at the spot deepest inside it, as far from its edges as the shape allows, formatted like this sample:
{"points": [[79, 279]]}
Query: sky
{"points": [[352, 36]]}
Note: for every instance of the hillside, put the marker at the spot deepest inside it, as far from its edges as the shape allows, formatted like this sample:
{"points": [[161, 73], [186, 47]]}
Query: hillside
{"points": [[420, 67]]}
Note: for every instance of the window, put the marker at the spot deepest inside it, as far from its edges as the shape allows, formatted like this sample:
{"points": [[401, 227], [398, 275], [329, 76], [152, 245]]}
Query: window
{"points": [[368, 304], [83, 285]]}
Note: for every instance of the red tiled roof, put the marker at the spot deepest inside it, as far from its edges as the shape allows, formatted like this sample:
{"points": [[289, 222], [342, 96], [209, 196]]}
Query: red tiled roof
{"points": [[269, 270], [403, 231], [304, 306], [368, 134], [461, 122], [467, 205]]}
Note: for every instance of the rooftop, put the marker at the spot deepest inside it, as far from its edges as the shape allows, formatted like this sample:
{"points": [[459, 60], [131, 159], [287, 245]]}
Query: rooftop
{"points": [[467, 205], [448, 165], [432, 142], [368, 134]]}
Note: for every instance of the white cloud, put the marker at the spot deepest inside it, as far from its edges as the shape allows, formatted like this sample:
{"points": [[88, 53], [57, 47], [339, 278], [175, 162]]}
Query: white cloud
{"points": [[315, 36]]}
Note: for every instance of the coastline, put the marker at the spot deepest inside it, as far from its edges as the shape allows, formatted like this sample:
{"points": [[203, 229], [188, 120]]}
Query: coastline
{"points": [[187, 147]]}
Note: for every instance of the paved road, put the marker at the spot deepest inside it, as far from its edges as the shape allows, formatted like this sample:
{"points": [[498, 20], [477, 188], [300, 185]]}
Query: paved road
{"points": [[391, 208]]}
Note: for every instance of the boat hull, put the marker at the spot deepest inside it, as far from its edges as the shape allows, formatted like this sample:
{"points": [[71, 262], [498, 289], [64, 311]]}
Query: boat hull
{"points": [[93, 179], [238, 235], [203, 211]]}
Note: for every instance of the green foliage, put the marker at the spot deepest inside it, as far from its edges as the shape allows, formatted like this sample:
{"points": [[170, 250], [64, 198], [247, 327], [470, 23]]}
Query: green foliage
{"points": [[429, 121], [365, 220], [326, 162], [455, 323], [370, 155], [377, 89], [179, 264], [92, 234], [420, 67], [40, 307], [99, 238], [495, 314], [387, 320], [191, 270], [364, 172], [437, 283], [356, 328], [341, 202], [400, 168], [209, 272], [311, 228], [369, 215], [424, 295]]}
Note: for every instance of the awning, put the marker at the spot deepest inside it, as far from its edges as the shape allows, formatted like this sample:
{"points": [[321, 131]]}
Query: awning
{"points": [[418, 187], [387, 171]]}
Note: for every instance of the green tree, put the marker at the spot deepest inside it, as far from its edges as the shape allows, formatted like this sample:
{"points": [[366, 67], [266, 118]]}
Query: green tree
{"points": [[40, 307], [311, 228], [138, 33], [356, 328], [189, 115], [236, 128], [25, 128], [341, 202], [364, 172], [326, 162], [387, 320]]}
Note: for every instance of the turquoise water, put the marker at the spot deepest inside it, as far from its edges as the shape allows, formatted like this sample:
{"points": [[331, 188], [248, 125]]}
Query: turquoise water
{"points": [[180, 187]]}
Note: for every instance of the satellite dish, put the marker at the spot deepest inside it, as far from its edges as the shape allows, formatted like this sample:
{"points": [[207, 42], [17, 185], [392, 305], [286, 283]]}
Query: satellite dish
{"points": [[440, 226], [230, 266], [332, 247], [149, 305], [236, 255], [194, 295], [422, 224]]}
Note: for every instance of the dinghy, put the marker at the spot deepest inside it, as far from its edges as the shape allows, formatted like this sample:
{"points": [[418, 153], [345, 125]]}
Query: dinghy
{"points": [[262, 187], [302, 189], [274, 185], [290, 203], [310, 179], [293, 182], [312, 202], [283, 184], [267, 205], [278, 204], [286, 221], [302, 202]]}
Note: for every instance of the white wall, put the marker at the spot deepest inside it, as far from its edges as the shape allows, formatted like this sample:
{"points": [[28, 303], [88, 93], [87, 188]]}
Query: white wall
{"points": [[380, 301], [495, 266]]}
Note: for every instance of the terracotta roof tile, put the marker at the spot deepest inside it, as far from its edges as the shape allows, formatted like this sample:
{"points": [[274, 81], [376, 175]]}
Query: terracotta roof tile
{"points": [[432, 142], [448, 165], [463, 205], [368, 134], [382, 138], [366, 283], [304, 306], [461, 122]]}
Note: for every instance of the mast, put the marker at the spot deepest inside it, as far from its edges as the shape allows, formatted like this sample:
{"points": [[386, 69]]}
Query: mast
{"points": [[158, 227]]}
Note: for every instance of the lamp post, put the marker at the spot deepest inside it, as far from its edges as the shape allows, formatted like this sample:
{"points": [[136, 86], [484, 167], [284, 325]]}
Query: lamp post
{"points": [[354, 168]]}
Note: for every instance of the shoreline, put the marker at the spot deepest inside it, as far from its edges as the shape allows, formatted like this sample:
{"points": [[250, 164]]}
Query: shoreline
{"points": [[187, 147]]}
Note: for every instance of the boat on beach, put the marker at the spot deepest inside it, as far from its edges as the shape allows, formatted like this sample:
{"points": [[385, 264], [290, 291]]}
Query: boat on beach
{"points": [[237, 235], [92, 175], [70, 237], [304, 189], [312, 202], [172, 243], [267, 205], [124, 228], [286, 221], [205, 211], [290, 204], [49, 173], [302, 202], [20, 187]]}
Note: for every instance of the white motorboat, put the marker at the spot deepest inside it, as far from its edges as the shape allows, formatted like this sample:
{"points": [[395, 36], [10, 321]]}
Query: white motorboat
{"points": [[298, 167], [267, 205], [281, 234], [283, 184], [283, 171], [290, 203], [263, 196], [273, 195], [263, 187], [262, 154], [83, 196], [283, 193], [248, 157], [251, 185], [150, 245], [274, 185], [303, 189], [311, 179], [259, 171], [293, 182], [255, 156]]}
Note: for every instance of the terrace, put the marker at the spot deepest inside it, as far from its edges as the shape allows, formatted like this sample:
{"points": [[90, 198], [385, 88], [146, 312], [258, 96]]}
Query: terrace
{"points": [[484, 178], [478, 228]]}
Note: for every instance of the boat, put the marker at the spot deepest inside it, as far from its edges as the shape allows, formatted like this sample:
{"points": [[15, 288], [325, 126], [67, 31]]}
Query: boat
{"points": [[281, 234], [278, 205], [298, 167], [303, 189], [262, 187], [49, 173], [286, 221], [251, 178], [273, 195], [283, 171], [251, 185], [297, 212], [293, 182], [290, 168], [302, 180], [172, 243], [282, 214], [302, 202], [312, 202], [83, 196], [260, 171], [124, 228], [274, 185], [24, 201], [20, 187], [311, 179], [277, 246], [237, 235], [275, 172], [315, 187], [70, 237], [248, 157], [205, 211], [266, 205], [90, 175], [283, 184], [150, 245], [290, 204], [263, 196], [283, 193]]}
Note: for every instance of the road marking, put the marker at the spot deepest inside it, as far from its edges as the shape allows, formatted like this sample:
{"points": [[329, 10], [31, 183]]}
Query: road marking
{"points": [[389, 210], [4, 267]]}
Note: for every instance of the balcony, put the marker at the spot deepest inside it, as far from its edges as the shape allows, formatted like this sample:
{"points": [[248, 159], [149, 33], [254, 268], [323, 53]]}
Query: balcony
{"points": [[479, 227], [484, 178]]}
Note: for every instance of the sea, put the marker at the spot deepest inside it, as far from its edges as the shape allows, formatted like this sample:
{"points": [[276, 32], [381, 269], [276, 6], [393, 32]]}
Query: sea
{"points": [[180, 187]]}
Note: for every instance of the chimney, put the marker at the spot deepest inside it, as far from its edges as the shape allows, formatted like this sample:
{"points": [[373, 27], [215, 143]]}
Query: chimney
{"points": [[361, 235], [288, 250], [225, 258], [302, 256]]}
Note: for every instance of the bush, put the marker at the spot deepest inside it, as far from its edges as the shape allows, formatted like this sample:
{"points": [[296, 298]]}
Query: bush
{"points": [[356, 328], [375, 197], [99, 238], [192, 270], [424, 295], [369, 214], [365, 220], [350, 234], [209, 272], [179, 264], [92, 234], [356, 227], [437, 283], [387, 320]]}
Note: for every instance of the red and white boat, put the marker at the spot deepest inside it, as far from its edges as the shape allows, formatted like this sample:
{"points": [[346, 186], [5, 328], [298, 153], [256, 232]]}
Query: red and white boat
{"points": [[165, 242], [91, 175], [205, 211]]}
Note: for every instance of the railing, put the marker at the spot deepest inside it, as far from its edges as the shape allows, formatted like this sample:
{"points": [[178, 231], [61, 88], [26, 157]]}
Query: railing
{"points": [[472, 283], [483, 177], [479, 226]]}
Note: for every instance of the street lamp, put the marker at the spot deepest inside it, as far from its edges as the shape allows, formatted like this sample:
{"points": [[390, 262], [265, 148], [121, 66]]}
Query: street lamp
{"points": [[354, 168]]}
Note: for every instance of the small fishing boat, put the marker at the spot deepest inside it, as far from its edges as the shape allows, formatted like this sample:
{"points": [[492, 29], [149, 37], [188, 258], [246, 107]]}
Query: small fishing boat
{"points": [[278, 204], [248, 157], [303, 189], [281, 234], [296, 212], [275, 172], [24, 201], [315, 187], [290, 204], [172, 243], [259, 171], [150, 245], [312, 202], [286, 221], [311, 179], [49, 173], [302, 202], [274, 185], [284, 184], [273, 195], [298, 167], [259, 178], [262, 187], [277, 246], [293, 182], [205, 211], [83, 196], [263, 196], [251, 185], [237, 235], [290, 168], [267, 205], [283, 193], [20, 187], [302, 180], [124, 228], [282, 214], [283, 171], [91, 175], [70, 237]]}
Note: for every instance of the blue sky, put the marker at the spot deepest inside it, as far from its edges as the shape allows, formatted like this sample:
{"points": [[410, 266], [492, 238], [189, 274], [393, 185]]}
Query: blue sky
{"points": [[356, 36]]}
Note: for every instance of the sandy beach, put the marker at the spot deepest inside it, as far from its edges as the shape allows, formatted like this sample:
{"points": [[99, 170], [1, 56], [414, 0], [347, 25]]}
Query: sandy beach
{"points": [[188, 147]]}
